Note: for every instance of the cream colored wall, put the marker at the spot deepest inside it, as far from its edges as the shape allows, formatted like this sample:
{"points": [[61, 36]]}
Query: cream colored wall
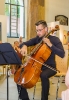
{"points": [[56, 7], [2, 7], [3, 20]]}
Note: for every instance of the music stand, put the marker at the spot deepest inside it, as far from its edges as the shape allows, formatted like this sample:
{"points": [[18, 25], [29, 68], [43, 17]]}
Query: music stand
{"points": [[8, 56]]}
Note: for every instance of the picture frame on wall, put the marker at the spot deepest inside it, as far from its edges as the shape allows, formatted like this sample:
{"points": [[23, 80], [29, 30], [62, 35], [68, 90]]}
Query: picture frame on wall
{"points": [[63, 20]]}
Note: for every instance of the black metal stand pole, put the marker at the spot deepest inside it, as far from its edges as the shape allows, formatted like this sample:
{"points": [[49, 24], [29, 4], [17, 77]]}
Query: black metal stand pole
{"points": [[7, 85]]}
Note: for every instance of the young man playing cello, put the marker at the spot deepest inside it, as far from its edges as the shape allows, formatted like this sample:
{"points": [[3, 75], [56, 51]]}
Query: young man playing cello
{"points": [[57, 49]]}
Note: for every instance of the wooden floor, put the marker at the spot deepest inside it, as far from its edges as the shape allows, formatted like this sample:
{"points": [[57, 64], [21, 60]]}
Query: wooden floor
{"points": [[13, 95]]}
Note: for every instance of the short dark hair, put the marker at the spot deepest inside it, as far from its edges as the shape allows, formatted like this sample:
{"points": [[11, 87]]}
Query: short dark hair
{"points": [[15, 42], [41, 22]]}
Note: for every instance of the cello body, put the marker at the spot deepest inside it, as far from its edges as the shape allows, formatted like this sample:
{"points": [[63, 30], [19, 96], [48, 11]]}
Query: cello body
{"points": [[29, 75]]}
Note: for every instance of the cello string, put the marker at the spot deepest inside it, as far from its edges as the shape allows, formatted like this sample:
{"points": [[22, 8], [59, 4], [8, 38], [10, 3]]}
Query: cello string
{"points": [[46, 65]]}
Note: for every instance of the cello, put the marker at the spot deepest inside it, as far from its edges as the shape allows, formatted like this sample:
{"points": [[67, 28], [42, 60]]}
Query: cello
{"points": [[28, 75]]}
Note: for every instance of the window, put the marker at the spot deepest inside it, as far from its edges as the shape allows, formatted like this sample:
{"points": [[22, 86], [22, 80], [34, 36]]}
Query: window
{"points": [[14, 9]]}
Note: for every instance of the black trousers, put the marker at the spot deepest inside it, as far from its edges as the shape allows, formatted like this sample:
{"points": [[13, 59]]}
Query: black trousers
{"points": [[23, 95], [45, 75]]}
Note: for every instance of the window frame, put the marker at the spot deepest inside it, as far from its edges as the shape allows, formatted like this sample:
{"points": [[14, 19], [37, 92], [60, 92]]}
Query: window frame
{"points": [[17, 5]]}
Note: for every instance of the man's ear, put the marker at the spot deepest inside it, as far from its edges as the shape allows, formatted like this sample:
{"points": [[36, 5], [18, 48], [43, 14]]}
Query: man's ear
{"points": [[46, 29]]}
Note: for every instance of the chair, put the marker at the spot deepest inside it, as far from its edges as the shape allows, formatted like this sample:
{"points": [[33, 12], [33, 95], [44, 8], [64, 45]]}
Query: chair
{"points": [[35, 89], [62, 66]]}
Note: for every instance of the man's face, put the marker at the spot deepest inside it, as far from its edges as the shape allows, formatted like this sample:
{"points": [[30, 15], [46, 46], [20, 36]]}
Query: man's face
{"points": [[20, 38], [41, 30], [16, 43]]}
